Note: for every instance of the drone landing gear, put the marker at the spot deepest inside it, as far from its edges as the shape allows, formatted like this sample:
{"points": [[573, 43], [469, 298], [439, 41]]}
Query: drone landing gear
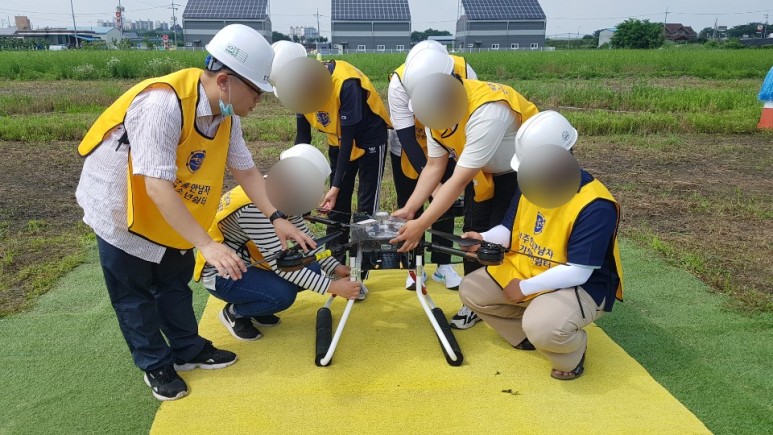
{"points": [[437, 319], [326, 346]]}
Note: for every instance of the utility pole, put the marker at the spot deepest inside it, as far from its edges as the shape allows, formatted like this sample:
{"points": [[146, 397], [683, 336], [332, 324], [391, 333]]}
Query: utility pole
{"points": [[765, 29], [714, 34], [174, 22], [74, 27], [318, 34], [665, 21]]}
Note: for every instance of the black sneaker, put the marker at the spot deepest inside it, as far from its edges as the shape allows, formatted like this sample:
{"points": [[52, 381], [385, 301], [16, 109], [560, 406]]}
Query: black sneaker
{"points": [[209, 358], [267, 320], [240, 327], [525, 345], [166, 384]]}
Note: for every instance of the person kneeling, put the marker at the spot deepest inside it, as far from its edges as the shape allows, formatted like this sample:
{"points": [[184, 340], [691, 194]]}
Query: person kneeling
{"points": [[264, 289], [563, 269]]}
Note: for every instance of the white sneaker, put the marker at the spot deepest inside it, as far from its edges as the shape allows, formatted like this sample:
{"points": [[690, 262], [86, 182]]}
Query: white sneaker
{"points": [[464, 319], [363, 292], [410, 283], [445, 273]]}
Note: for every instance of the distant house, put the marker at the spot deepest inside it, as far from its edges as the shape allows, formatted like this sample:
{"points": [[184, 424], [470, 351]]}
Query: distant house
{"points": [[501, 25], [605, 36], [68, 36], [370, 25], [678, 32], [202, 19]]}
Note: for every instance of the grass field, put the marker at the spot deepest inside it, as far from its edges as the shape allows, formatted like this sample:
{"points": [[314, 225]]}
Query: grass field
{"points": [[671, 132]]}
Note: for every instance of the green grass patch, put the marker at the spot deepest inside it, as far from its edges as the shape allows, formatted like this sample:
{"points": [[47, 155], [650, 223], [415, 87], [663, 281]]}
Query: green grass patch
{"points": [[33, 259]]}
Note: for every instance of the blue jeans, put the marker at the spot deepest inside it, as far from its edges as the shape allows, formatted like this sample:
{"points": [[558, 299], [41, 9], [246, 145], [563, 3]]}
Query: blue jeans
{"points": [[149, 299], [260, 292]]}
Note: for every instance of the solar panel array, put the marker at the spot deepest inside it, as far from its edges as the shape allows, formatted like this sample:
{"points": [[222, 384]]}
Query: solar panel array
{"points": [[226, 9], [371, 10], [503, 10]]}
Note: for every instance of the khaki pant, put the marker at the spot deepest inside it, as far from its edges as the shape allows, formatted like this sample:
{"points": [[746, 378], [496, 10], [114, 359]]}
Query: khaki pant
{"points": [[553, 322]]}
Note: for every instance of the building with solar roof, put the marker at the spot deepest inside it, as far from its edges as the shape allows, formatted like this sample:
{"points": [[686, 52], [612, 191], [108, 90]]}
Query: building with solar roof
{"points": [[501, 25], [203, 18], [370, 25]]}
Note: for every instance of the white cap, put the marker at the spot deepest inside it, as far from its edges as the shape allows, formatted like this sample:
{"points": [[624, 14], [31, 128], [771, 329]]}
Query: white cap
{"points": [[284, 52], [310, 153], [244, 51], [425, 63], [545, 128]]}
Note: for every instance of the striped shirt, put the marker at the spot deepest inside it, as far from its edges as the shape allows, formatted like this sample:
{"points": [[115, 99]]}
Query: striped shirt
{"points": [[153, 125], [248, 223]]}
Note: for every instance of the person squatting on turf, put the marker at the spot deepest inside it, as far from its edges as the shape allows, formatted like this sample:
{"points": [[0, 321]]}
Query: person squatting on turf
{"points": [[535, 303], [174, 136], [264, 289], [474, 123], [408, 155]]}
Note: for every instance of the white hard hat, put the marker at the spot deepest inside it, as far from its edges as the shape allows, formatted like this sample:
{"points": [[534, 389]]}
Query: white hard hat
{"points": [[310, 153], [425, 63], [244, 51], [284, 52], [545, 128], [426, 44]]}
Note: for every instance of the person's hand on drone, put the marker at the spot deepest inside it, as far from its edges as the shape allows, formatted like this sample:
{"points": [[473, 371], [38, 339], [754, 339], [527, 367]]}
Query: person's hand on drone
{"points": [[342, 271], [403, 213], [329, 202], [411, 234], [287, 231], [471, 235], [345, 288]]}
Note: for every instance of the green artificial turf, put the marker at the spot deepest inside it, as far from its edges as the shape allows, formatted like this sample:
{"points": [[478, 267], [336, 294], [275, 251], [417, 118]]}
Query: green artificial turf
{"points": [[715, 360], [66, 368]]}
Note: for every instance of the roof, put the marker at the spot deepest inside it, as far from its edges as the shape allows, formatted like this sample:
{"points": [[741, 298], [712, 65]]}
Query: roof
{"points": [[370, 10], [7, 31], [672, 28], [503, 10], [226, 9]]}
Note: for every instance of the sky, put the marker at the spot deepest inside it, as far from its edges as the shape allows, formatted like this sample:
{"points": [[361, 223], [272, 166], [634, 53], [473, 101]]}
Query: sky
{"points": [[564, 17]]}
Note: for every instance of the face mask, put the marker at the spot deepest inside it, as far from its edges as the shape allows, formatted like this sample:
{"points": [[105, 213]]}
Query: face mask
{"points": [[226, 109]]}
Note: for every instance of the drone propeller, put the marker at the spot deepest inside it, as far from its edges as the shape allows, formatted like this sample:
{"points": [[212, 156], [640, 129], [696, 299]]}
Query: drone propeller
{"points": [[293, 254], [454, 238]]}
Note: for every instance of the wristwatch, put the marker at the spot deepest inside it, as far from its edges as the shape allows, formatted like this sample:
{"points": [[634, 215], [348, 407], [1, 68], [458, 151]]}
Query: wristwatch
{"points": [[276, 215]]}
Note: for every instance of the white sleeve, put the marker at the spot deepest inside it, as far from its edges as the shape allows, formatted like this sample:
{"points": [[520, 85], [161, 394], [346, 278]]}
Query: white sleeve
{"points": [[557, 277], [398, 105], [485, 130], [433, 148], [499, 235]]}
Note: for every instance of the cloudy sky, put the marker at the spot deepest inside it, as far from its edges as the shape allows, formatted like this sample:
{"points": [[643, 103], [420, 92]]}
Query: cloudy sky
{"points": [[563, 16]]}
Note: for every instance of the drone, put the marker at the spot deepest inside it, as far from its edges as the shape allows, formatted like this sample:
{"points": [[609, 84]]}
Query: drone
{"points": [[369, 249]]}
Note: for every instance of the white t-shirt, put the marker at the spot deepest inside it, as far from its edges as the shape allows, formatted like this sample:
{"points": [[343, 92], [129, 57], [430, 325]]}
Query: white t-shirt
{"points": [[490, 140]]}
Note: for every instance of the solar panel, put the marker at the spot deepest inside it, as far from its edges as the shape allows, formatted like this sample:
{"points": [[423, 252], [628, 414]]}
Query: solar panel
{"points": [[371, 10], [503, 10], [226, 9]]}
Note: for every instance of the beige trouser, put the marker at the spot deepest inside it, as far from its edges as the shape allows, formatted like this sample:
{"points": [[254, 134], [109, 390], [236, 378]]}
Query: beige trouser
{"points": [[553, 322]]}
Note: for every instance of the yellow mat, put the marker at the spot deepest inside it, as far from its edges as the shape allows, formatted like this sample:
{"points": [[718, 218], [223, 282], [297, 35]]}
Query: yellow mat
{"points": [[389, 376]]}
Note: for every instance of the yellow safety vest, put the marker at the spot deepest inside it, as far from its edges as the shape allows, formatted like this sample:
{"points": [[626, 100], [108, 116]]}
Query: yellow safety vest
{"points": [[478, 94], [545, 233], [231, 202], [200, 161], [327, 118], [460, 69]]}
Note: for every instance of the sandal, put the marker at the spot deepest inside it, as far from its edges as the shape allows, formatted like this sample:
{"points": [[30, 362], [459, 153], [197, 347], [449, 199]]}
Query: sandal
{"points": [[525, 345], [568, 376]]}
